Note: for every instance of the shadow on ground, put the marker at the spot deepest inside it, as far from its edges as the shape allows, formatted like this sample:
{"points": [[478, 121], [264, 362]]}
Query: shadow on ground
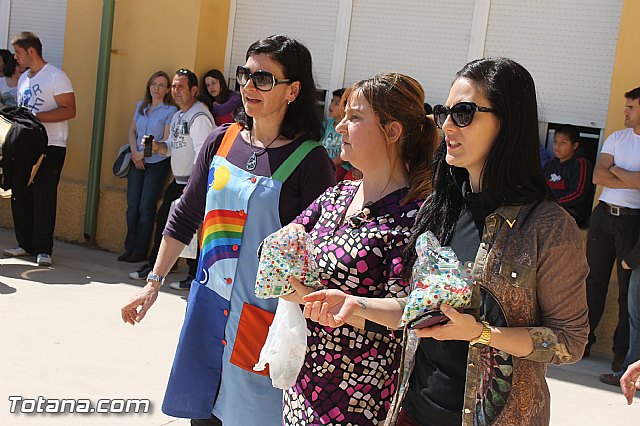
{"points": [[6, 289], [585, 373]]}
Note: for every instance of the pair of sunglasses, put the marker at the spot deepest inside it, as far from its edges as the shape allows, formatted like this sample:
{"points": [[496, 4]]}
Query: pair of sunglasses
{"points": [[191, 77], [461, 113], [262, 80]]}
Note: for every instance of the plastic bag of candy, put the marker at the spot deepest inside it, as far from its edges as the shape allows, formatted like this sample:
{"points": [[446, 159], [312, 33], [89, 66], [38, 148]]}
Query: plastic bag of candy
{"points": [[289, 251], [437, 277]]}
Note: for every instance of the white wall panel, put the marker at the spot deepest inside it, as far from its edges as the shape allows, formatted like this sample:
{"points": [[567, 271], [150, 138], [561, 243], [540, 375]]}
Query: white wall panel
{"points": [[427, 40], [309, 21], [45, 18], [569, 48]]}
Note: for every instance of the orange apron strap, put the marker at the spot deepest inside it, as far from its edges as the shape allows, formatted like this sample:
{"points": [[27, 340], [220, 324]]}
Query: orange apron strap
{"points": [[228, 139]]}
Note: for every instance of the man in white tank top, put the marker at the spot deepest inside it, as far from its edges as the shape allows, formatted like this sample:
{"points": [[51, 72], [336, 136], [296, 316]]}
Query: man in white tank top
{"points": [[614, 226]]}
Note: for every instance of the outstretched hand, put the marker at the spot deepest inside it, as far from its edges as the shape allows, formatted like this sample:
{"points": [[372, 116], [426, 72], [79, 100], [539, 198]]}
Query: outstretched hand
{"points": [[630, 381], [144, 299], [330, 308], [460, 327]]}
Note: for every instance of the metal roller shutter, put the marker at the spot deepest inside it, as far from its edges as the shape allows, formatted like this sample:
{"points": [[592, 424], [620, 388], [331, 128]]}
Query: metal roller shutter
{"points": [[311, 22], [45, 18], [569, 48], [426, 40]]}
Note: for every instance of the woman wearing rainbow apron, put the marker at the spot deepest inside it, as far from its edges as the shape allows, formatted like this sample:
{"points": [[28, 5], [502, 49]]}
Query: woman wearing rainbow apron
{"points": [[252, 177]]}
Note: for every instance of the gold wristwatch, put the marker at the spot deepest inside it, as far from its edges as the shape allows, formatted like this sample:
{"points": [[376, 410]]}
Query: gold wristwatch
{"points": [[484, 338]]}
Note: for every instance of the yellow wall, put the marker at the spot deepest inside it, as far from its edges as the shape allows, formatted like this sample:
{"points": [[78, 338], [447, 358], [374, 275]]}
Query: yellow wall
{"points": [[626, 74], [148, 35], [625, 77]]}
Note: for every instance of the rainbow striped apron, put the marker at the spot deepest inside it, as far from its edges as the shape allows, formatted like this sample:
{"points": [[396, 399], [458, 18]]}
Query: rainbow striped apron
{"points": [[225, 325]]}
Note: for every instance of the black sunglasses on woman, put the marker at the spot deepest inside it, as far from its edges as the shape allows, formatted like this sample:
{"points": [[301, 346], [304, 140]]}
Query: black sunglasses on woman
{"points": [[461, 113], [264, 81]]}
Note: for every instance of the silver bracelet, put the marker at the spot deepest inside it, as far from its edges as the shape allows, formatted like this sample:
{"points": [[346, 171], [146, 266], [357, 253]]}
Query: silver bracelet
{"points": [[155, 277]]}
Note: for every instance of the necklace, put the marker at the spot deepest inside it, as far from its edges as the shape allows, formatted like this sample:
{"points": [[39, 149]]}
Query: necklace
{"points": [[252, 162]]}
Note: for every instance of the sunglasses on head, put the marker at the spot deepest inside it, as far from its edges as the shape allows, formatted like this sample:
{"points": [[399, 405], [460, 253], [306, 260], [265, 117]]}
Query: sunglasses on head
{"points": [[461, 113], [262, 80], [191, 77]]}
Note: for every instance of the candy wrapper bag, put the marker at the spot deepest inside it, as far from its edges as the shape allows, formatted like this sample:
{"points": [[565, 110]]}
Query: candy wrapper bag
{"points": [[437, 277], [289, 251]]}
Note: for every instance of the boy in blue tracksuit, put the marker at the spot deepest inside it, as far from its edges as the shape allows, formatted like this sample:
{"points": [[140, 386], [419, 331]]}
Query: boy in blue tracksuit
{"points": [[569, 174]]}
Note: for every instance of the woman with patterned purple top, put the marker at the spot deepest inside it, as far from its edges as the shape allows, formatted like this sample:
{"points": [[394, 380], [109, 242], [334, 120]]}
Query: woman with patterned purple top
{"points": [[360, 229]]}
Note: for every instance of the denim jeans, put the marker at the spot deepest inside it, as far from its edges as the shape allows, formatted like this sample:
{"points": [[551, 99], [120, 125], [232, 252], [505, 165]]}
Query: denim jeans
{"points": [[633, 301], [143, 190]]}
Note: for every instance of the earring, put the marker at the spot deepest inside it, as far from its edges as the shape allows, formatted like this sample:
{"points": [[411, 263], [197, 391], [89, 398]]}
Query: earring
{"points": [[288, 102]]}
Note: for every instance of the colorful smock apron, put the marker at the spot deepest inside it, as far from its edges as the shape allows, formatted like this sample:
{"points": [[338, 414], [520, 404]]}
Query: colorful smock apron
{"points": [[225, 325]]}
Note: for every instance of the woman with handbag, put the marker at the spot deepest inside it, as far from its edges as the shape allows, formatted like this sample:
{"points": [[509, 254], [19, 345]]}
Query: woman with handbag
{"points": [[147, 175], [251, 177], [490, 203]]}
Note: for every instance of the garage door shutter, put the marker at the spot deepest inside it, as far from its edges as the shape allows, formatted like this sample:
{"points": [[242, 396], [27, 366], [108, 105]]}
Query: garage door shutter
{"points": [[426, 40], [567, 45], [45, 18], [311, 22]]}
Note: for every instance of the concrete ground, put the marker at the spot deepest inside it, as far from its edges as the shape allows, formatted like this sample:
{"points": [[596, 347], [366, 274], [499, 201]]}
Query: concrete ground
{"points": [[61, 337]]}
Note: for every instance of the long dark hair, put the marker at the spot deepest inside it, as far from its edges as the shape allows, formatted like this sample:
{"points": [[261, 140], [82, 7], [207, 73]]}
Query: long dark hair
{"points": [[6, 56], [10, 66], [146, 100], [398, 97], [303, 113], [205, 97], [511, 173]]}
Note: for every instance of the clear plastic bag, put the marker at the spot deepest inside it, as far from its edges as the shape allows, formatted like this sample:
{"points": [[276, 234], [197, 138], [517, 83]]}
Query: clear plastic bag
{"points": [[287, 252], [286, 345], [437, 277]]}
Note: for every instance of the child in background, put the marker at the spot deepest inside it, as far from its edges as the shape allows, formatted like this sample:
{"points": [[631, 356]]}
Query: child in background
{"points": [[332, 140], [569, 174]]}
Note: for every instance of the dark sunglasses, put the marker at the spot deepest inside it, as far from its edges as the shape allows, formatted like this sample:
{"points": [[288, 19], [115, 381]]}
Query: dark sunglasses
{"points": [[461, 113], [262, 80]]}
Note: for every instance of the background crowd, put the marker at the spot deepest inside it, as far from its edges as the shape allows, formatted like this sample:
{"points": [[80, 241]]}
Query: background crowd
{"points": [[234, 167]]}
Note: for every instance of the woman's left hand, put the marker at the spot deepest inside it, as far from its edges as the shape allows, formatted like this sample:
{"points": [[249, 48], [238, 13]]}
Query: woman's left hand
{"points": [[301, 291], [460, 327]]}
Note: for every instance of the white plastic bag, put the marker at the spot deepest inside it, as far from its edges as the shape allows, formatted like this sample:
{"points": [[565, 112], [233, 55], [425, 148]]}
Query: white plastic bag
{"points": [[190, 251], [286, 345]]}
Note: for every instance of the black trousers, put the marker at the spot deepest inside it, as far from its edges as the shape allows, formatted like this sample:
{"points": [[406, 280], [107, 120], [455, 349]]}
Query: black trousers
{"points": [[212, 421], [172, 193], [34, 207], [610, 238]]}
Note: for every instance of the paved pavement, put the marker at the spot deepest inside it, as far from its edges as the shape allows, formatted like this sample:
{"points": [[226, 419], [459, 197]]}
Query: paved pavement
{"points": [[61, 337]]}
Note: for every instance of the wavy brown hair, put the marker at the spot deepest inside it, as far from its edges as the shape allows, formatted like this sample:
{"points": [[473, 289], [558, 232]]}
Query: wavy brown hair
{"points": [[398, 97]]}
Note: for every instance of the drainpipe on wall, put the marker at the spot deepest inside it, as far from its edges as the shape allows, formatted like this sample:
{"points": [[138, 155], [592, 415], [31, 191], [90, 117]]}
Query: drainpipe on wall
{"points": [[99, 113]]}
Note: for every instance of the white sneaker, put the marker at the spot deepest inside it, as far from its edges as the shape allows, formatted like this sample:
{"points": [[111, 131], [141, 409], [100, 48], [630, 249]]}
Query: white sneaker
{"points": [[182, 284], [44, 259], [141, 273], [16, 251]]}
